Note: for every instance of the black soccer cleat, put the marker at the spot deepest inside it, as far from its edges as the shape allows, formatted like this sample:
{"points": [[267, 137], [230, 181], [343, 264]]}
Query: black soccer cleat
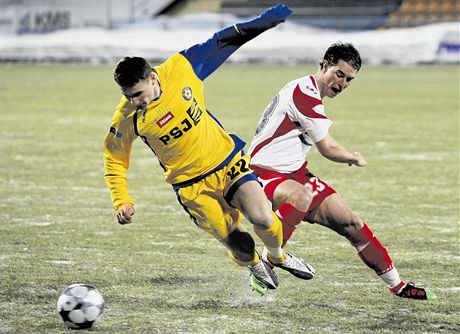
{"points": [[414, 292]]}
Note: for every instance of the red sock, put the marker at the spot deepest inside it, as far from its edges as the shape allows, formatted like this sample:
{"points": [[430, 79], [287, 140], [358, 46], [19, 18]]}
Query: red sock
{"points": [[290, 217], [371, 251], [397, 288]]}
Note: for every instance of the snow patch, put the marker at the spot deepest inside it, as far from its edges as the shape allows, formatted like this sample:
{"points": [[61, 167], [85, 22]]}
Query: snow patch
{"points": [[287, 43]]}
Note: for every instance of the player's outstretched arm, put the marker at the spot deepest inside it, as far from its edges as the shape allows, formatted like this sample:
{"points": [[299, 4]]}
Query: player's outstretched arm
{"points": [[117, 148], [208, 56], [333, 151]]}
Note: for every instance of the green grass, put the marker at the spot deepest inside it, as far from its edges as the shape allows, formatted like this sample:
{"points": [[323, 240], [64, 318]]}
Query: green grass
{"points": [[163, 275]]}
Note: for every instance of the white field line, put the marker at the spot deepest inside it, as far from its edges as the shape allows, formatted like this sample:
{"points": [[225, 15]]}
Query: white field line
{"points": [[61, 262]]}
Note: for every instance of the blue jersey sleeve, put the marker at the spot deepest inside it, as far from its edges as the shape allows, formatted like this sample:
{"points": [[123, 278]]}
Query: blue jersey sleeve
{"points": [[206, 57]]}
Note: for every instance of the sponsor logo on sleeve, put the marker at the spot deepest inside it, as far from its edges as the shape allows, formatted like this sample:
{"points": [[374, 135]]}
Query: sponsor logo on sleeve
{"points": [[116, 132], [195, 112]]}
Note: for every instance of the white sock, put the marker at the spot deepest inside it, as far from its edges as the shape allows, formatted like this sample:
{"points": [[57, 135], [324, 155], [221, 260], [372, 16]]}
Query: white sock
{"points": [[391, 278], [276, 252]]}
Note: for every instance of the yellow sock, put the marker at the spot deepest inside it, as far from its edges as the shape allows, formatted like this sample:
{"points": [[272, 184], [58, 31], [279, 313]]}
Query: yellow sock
{"points": [[272, 238], [254, 261]]}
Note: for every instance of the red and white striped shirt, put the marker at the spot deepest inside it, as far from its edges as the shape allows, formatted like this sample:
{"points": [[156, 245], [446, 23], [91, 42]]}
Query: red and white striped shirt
{"points": [[290, 125]]}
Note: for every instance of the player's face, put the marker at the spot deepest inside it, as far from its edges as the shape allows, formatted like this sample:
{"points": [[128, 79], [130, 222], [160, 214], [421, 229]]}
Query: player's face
{"points": [[336, 78], [144, 92]]}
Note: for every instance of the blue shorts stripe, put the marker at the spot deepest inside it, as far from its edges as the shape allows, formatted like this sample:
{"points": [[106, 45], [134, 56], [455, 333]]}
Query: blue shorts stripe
{"points": [[185, 208], [239, 145], [234, 187]]}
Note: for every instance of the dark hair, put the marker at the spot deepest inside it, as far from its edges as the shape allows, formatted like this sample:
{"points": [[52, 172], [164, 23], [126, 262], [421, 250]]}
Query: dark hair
{"points": [[130, 70], [342, 51]]}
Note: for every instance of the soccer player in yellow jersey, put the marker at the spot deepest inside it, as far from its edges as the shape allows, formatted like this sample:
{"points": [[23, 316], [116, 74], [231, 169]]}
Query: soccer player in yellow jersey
{"points": [[205, 165]]}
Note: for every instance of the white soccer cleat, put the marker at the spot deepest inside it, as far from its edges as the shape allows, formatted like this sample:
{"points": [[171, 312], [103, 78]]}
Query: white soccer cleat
{"points": [[293, 264], [264, 274]]}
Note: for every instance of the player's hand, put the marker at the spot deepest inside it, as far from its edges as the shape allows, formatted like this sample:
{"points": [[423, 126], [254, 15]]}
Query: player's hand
{"points": [[277, 13], [358, 160], [125, 214]]}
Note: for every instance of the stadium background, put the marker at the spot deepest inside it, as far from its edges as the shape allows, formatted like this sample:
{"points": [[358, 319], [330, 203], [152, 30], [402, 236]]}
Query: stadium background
{"points": [[385, 31], [161, 274]]}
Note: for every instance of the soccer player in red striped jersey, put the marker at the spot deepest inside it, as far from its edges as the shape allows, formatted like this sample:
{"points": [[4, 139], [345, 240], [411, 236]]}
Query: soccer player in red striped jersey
{"points": [[292, 123]]}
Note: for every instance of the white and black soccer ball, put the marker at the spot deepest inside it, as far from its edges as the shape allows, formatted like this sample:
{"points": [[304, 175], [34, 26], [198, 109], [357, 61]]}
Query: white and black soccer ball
{"points": [[80, 306]]}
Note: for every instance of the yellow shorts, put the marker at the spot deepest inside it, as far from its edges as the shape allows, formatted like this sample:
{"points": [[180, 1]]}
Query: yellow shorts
{"points": [[208, 200]]}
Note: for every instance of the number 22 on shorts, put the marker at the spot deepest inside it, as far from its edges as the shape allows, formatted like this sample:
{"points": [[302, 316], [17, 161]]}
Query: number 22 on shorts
{"points": [[240, 167]]}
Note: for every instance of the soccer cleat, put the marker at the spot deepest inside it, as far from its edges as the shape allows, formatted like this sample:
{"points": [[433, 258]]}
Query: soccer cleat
{"points": [[293, 264], [413, 292], [264, 275], [258, 286]]}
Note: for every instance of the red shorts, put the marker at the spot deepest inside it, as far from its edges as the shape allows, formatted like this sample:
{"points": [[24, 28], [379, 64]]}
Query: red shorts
{"points": [[273, 179]]}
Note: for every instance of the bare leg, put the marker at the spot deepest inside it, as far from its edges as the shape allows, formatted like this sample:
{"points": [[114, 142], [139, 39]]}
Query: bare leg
{"points": [[291, 201], [294, 193], [335, 214], [252, 202]]}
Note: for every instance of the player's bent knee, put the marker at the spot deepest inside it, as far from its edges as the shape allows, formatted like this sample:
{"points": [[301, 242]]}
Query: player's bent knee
{"points": [[262, 220], [353, 225], [301, 198], [242, 245]]}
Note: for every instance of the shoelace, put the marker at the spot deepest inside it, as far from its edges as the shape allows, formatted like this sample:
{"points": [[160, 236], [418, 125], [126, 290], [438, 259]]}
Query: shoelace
{"points": [[261, 269], [292, 262]]}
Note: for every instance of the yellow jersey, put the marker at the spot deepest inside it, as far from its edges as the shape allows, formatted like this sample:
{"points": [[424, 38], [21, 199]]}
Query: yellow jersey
{"points": [[187, 140]]}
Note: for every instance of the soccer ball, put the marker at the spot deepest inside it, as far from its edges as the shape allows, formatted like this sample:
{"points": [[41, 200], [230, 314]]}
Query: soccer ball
{"points": [[80, 306]]}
